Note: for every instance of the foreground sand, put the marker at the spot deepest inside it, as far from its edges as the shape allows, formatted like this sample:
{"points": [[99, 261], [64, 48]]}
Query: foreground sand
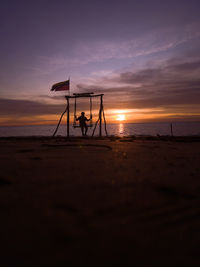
{"points": [[118, 202]]}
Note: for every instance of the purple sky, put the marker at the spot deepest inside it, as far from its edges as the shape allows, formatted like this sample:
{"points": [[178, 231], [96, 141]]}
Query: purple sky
{"points": [[144, 55]]}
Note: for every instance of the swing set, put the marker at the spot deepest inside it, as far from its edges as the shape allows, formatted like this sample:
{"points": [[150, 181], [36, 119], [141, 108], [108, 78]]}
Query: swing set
{"points": [[101, 116]]}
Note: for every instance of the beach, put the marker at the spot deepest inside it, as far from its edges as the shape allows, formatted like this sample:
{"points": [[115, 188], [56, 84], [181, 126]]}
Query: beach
{"points": [[100, 202]]}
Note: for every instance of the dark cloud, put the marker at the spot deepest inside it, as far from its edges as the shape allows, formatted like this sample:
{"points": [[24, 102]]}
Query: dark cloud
{"points": [[169, 73], [26, 107], [143, 76], [173, 83], [51, 97], [10, 107], [187, 66]]}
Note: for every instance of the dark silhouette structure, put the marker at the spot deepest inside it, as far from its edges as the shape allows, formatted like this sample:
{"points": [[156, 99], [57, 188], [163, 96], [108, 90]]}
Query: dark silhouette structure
{"points": [[82, 121]]}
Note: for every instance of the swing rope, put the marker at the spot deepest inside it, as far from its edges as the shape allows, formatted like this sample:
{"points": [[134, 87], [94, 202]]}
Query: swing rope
{"points": [[91, 124], [75, 104], [74, 124]]}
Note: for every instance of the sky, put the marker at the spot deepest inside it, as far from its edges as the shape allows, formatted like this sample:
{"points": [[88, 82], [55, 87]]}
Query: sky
{"points": [[143, 55]]}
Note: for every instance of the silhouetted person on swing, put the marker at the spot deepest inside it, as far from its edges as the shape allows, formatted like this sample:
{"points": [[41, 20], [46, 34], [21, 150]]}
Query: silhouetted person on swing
{"points": [[82, 121]]}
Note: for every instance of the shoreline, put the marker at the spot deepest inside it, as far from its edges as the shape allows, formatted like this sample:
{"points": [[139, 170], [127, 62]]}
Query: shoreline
{"points": [[191, 138]]}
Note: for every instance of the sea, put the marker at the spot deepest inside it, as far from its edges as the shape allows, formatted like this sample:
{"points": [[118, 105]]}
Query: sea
{"points": [[115, 129]]}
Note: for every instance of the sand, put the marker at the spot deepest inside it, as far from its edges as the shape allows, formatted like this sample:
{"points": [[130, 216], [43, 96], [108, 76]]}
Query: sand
{"points": [[99, 202]]}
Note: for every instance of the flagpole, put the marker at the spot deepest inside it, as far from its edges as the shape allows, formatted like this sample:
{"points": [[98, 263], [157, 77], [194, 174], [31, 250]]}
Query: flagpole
{"points": [[67, 116], [69, 85], [68, 110]]}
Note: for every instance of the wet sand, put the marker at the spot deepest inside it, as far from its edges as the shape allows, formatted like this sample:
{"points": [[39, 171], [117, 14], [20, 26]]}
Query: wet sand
{"points": [[99, 202]]}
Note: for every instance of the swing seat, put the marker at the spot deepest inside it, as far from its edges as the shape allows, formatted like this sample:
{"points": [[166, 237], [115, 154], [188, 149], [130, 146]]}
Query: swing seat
{"points": [[78, 126]]}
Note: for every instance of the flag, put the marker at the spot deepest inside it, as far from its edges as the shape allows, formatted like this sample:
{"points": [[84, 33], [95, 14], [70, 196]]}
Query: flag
{"points": [[61, 86]]}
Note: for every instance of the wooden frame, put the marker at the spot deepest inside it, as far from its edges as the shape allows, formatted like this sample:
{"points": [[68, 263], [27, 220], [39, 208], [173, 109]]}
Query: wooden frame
{"points": [[101, 111]]}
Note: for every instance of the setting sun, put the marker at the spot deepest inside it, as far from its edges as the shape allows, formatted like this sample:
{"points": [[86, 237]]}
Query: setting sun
{"points": [[120, 117]]}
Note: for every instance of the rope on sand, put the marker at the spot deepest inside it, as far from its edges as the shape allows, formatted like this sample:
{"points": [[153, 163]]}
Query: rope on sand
{"points": [[78, 145]]}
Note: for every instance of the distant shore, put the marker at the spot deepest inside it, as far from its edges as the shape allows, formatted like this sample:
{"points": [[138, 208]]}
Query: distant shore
{"points": [[102, 201]]}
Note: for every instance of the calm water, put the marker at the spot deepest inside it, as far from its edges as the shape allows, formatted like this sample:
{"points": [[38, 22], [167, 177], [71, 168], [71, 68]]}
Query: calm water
{"points": [[121, 129]]}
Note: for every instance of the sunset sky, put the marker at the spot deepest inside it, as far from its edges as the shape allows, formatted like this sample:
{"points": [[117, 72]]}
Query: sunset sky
{"points": [[143, 55]]}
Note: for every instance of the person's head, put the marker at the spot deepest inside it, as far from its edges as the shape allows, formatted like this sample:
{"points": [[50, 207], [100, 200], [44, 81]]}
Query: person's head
{"points": [[83, 113]]}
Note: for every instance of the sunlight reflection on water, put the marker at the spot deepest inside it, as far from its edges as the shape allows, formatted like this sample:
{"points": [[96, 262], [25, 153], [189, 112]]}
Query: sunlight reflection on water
{"points": [[121, 129]]}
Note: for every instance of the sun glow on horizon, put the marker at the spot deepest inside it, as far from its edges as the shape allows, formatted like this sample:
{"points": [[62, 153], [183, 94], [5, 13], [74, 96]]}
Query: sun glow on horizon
{"points": [[120, 117]]}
